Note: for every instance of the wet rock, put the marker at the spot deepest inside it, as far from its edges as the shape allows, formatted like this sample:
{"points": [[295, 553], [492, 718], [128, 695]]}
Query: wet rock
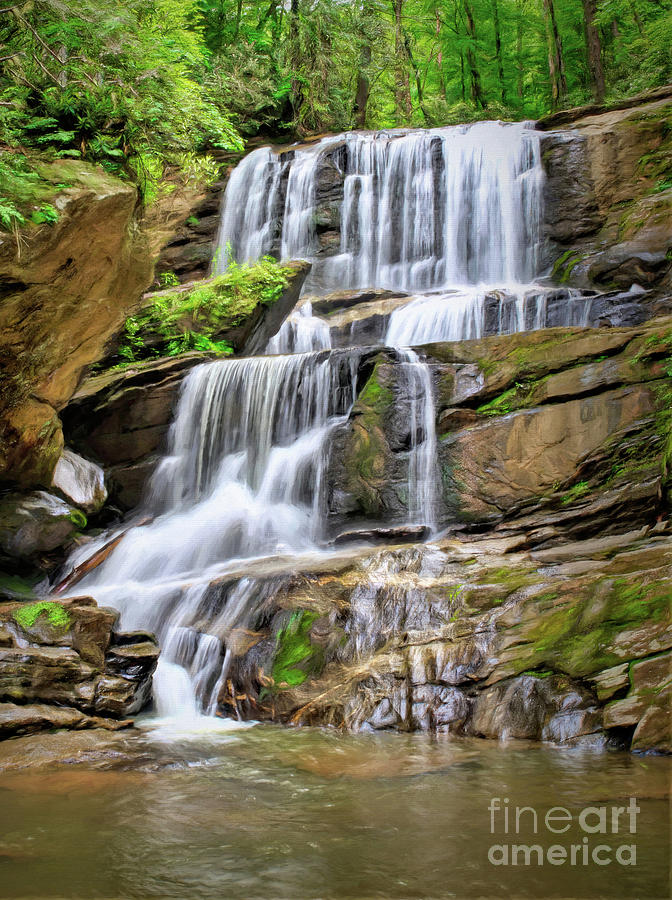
{"points": [[33, 717], [34, 523], [119, 697], [549, 709], [135, 663], [338, 301], [121, 419], [81, 482], [480, 639], [393, 535], [252, 337], [611, 681], [647, 705]]}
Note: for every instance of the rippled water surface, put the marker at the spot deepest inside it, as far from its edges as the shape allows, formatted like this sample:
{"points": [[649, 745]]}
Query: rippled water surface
{"points": [[273, 813]]}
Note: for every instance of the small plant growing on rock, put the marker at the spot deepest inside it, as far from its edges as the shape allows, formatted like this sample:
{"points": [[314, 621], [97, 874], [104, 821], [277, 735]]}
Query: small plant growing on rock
{"points": [[28, 615]]}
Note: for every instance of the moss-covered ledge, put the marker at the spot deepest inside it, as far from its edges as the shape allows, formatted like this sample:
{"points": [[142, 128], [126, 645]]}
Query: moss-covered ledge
{"points": [[222, 315]]}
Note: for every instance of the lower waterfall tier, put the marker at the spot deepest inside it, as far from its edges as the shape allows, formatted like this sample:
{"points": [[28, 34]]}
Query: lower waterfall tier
{"points": [[529, 436]]}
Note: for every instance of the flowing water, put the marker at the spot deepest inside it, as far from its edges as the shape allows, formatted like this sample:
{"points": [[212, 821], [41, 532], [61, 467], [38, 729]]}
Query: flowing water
{"points": [[307, 814], [452, 211], [195, 806]]}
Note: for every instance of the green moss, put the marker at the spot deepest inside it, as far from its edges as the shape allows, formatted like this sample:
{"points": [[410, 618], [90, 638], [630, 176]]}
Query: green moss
{"points": [[78, 519], [577, 639], [374, 394], [57, 616], [176, 321], [15, 587], [577, 491], [296, 658], [487, 366], [564, 265], [517, 397]]}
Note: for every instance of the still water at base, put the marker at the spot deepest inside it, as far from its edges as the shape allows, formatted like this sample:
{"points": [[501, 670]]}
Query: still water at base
{"points": [[264, 812]]}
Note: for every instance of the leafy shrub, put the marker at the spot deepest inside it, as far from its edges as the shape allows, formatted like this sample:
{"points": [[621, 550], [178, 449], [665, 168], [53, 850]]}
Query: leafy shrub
{"points": [[177, 321]]}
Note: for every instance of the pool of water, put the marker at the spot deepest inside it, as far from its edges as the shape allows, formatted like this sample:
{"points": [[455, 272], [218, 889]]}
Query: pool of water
{"points": [[267, 812]]}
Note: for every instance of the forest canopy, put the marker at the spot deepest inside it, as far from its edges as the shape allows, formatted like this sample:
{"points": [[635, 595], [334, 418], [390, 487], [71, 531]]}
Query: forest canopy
{"points": [[141, 84]]}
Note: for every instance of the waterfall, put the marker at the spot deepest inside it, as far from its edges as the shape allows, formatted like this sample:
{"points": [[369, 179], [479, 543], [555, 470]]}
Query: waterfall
{"points": [[243, 478], [423, 474], [419, 210], [452, 211]]}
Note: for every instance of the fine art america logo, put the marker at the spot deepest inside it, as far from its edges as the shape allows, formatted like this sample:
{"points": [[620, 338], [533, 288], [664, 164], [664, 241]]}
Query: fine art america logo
{"points": [[601, 835]]}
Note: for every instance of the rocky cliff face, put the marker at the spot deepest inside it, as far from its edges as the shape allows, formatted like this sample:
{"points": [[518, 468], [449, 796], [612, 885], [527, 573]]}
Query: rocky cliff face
{"points": [[608, 196], [559, 432], [569, 645], [66, 288]]}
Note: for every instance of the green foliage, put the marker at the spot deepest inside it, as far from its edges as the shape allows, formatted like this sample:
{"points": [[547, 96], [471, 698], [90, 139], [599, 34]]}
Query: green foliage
{"points": [[177, 321], [122, 84], [295, 656], [57, 616], [45, 214], [146, 86]]}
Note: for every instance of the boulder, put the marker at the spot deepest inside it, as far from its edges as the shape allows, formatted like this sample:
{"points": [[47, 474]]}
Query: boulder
{"points": [[81, 482], [35, 523]]}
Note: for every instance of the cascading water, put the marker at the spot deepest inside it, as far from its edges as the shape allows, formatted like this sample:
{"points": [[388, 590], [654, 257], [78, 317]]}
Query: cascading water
{"points": [[243, 478], [455, 211], [420, 210]]}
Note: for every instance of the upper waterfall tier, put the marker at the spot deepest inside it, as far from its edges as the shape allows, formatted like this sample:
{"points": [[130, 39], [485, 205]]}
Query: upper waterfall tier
{"points": [[416, 210]]}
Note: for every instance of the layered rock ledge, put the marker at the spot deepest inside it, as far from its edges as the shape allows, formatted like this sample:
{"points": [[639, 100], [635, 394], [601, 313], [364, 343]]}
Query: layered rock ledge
{"points": [[63, 665]]}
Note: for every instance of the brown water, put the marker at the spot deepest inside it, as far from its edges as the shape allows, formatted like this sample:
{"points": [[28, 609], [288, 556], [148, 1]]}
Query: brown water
{"points": [[272, 813]]}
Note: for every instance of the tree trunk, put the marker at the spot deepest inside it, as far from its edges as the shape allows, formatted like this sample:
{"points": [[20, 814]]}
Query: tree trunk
{"points": [[556, 66], [636, 16], [439, 59], [363, 87], [293, 34], [520, 68], [594, 50], [498, 49], [476, 90], [239, 14], [402, 90]]}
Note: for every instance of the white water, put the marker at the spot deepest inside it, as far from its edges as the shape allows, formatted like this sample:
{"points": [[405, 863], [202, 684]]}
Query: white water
{"points": [[243, 478], [420, 209], [455, 209]]}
